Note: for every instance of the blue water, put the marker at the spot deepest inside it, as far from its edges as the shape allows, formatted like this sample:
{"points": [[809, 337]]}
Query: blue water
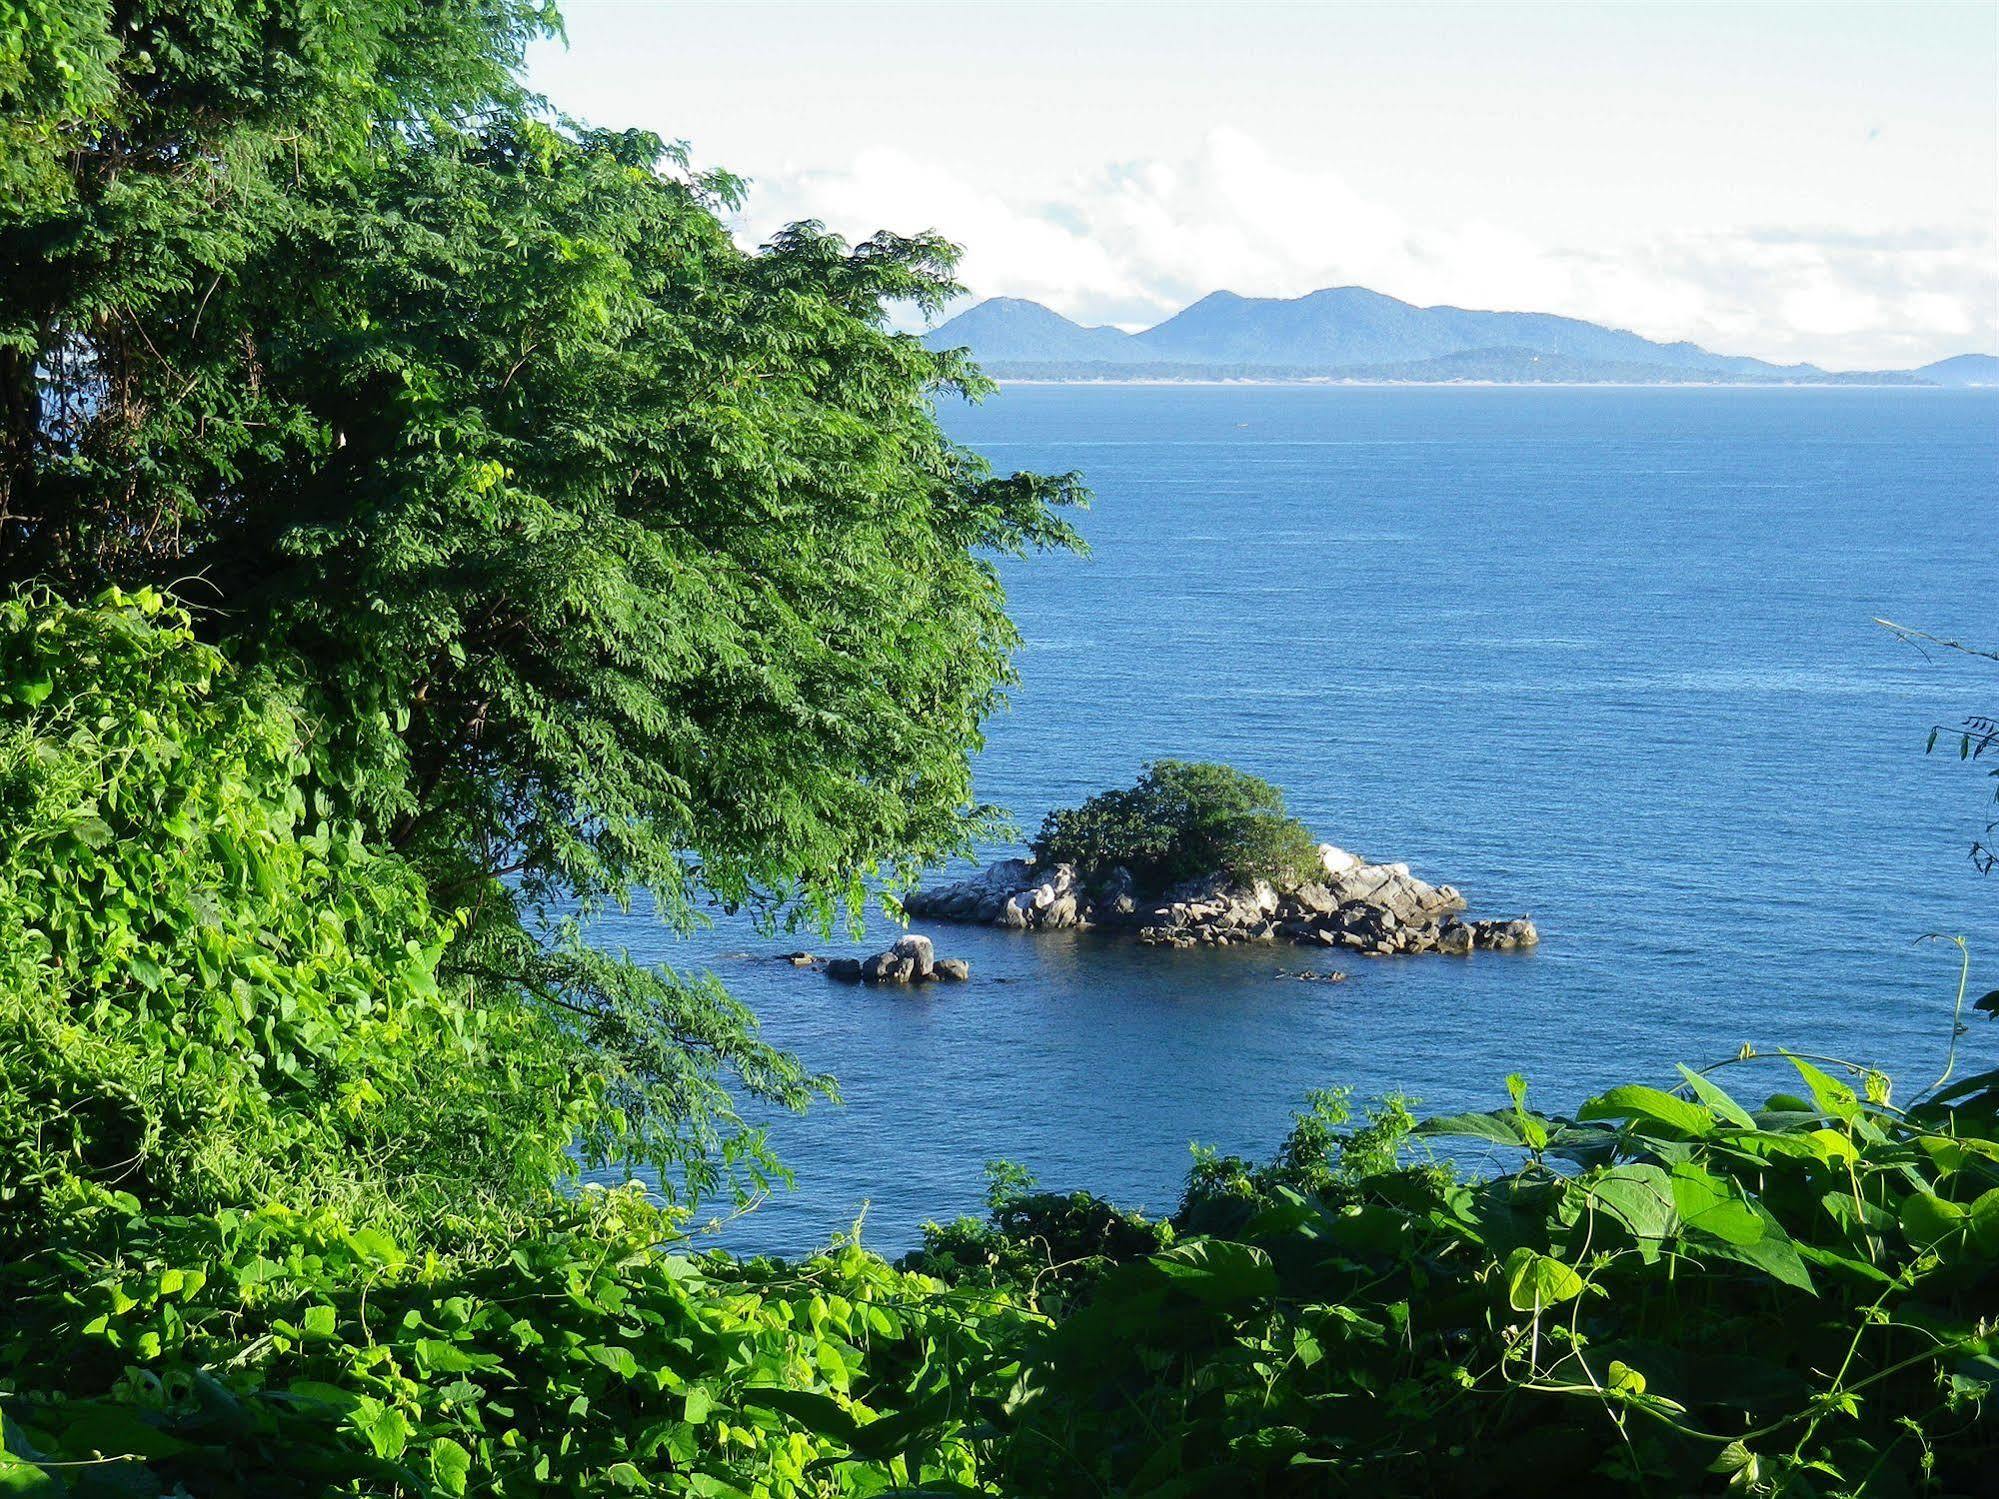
{"points": [[1605, 656]]}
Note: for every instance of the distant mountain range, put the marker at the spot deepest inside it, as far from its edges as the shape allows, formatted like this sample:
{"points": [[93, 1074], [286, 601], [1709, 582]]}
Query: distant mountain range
{"points": [[1351, 333]]}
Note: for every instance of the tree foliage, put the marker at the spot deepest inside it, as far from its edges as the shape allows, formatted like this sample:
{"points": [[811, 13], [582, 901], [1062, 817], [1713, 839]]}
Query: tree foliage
{"points": [[214, 993], [159, 158], [1183, 820], [606, 561]]}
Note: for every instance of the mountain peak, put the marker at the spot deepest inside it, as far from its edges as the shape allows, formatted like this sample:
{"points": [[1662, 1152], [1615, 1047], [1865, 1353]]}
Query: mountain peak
{"points": [[1358, 332], [1350, 294], [1963, 369], [1013, 328]]}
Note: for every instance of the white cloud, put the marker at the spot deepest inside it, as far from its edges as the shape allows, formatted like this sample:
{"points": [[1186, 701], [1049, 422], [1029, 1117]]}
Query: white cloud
{"points": [[1132, 242]]}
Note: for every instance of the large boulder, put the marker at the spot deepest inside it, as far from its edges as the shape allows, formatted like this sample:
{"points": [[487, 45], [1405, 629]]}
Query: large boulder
{"points": [[1205, 889], [1060, 912], [1315, 898], [888, 967], [971, 896], [1009, 873], [1359, 882], [1443, 899], [910, 959], [919, 951]]}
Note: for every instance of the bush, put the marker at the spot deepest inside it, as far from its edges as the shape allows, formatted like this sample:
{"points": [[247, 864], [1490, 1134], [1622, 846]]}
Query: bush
{"points": [[212, 996], [297, 1356], [1049, 1246], [1670, 1293], [1183, 820]]}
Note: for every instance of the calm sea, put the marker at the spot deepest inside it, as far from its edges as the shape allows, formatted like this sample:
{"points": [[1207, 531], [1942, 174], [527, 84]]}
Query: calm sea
{"points": [[1605, 656]]}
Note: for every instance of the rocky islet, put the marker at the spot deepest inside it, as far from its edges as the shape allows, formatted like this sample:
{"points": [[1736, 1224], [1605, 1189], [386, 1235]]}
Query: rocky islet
{"points": [[1372, 909]]}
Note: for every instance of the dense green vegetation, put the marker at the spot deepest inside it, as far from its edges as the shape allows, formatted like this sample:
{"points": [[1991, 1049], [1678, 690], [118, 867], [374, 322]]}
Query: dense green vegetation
{"points": [[419, 525], [291, 1209], [1669, 1293], [1182, 820], [606, 561]]}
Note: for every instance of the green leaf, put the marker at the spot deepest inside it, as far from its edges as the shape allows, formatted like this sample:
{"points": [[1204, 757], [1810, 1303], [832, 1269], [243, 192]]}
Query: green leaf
{"points": [[1985, 1221], [618, 1360], [1640, 1198], [1713, 1205], [1927, 1218], [373, 1244], [821, 1414], [1624, 1378], [1217, 1270], [1497, 1127], [1739, 1463], [1712, 1095], [1532, 1130], [92, 832], [450, 1465], [1743, 1228], [1535, 1281], [319, 1391], [1834, 1098], [119, 1431], [385, 1427], [1636, 1101], [444, 1357]]}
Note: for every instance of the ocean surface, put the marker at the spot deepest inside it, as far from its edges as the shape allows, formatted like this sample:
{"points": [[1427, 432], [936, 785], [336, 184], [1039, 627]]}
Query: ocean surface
{"points": [[1603, 656]]}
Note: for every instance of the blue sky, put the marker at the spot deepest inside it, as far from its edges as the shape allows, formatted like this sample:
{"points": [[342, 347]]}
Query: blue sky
{"points": [[1799, 181]]}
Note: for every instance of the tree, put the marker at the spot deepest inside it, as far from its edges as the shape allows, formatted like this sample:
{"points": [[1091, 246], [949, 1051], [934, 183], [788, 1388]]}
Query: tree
{"points": [[157, 157], [604, 556], [1183, 820]]}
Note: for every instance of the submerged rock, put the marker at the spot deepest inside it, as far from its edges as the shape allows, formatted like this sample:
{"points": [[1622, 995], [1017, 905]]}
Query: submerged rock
{"points": [[1506, 935]]}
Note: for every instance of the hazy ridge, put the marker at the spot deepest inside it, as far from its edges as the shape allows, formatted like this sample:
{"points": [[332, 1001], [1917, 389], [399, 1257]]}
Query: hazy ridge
{"points": [[1351, 333]]}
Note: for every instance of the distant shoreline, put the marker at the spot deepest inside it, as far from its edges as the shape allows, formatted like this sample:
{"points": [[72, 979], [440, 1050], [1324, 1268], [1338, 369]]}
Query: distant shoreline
{"points": [[1332, 384], [1351, 335]]}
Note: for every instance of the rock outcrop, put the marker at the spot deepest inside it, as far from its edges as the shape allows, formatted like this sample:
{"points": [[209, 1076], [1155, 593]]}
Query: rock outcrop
{"points": [[1373, 909], [911, 959]]}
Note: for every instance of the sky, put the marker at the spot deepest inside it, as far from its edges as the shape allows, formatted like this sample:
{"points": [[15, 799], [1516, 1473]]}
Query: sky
{"points": [[1801, 181]]}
